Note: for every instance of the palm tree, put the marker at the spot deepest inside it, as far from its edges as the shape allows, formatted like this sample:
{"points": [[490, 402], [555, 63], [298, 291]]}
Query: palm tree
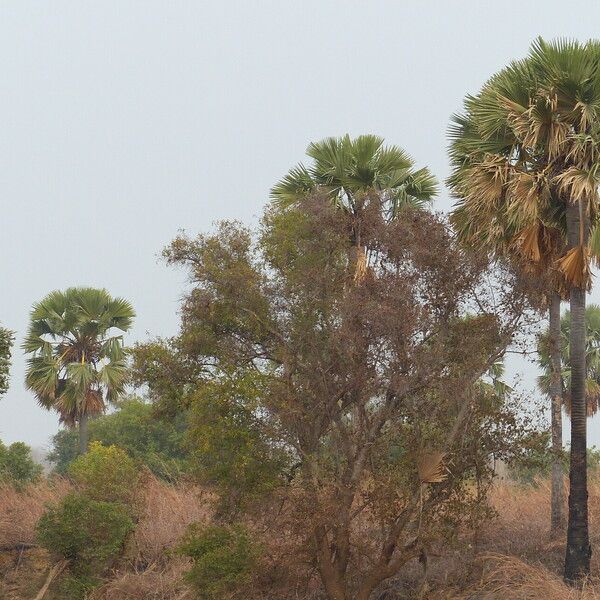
{"points": [[505, 210], [526, 171], [77, 360], [353, 174], [592, 359]]}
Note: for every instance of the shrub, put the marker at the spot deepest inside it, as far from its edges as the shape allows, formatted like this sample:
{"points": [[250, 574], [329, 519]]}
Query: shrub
{"points": [[106, 474], [223, 558], [87, 532], [17, 465], [135, 428], [228, 444]]}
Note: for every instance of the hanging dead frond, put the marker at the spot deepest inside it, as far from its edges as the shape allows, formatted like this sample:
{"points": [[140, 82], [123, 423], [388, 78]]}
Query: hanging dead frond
{"points": [[430, 466], [579, 184], [528, 196], [527, 243], [546, 129], [592, 399], [575, 267], [487, 179], [361, 266]]}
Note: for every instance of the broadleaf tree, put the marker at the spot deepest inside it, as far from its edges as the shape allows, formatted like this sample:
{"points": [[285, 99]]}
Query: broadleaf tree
{"points": [[6, 342], [357, 401]]}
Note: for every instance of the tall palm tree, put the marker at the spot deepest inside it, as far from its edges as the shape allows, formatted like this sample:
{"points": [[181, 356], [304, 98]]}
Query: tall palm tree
{"points": [[526, 166], [77, 360], [353, 174], [592, 358], [505, 209]]}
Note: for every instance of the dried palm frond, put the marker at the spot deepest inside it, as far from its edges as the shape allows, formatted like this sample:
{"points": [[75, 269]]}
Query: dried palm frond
{"points": [[430, 466], [575, 266], [527, 242], [361, 267], [580, 184], [486, 181], [529, 194]]}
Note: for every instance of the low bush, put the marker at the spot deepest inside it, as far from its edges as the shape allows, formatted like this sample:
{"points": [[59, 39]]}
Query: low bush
{"points": [[106, 474], [87, 532], [223, 558]]}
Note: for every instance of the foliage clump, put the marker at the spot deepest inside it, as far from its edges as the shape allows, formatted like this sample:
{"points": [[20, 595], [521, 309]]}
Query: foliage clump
{"points": [[106, 474], [86, 532], [223, 558], [17, 465], [6, 342], [89, 527], [228, 444], [135, 427]]}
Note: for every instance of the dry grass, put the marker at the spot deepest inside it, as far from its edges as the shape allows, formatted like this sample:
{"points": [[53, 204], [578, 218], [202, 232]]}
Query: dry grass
{"points": [[20, 510], [512, 557], [168, 511], [152, 584], [510, 577]]}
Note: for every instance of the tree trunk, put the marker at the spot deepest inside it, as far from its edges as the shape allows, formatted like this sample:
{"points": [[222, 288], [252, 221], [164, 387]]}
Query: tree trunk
{"points": [[579, 550], [557, 514], [83, 434]]}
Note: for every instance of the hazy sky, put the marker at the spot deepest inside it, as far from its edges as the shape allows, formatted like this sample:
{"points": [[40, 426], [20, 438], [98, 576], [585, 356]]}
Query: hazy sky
{"points": [[122, 122]]}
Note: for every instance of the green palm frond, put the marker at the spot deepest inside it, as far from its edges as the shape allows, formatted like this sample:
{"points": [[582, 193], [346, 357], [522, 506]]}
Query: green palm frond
{"points": [[592, 317], [347, 169]]}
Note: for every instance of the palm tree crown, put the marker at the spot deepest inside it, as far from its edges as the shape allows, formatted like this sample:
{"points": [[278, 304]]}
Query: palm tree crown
{"points": [[354, 171], [77, 360], [527, 142], [592, 355]]}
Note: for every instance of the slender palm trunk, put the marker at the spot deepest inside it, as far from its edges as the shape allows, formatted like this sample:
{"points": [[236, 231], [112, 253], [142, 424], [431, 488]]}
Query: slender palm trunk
{"points": [[579, 550], [557, 513], [83, 434]]}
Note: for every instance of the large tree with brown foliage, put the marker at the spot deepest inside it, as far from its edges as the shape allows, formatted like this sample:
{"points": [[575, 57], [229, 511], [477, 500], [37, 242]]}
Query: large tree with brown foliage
{"points": [[359, 402]]}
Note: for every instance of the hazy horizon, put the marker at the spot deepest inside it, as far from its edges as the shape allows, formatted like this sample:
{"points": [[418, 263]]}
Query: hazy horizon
{"points": [[124, 122]]}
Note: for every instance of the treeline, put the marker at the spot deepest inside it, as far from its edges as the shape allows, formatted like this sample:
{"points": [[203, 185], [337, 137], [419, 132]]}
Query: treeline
{"points": [[337, 379]]}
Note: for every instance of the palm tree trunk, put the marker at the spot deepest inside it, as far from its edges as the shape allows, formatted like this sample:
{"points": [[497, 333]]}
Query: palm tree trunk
{"points": [[557, 515], [579, 550], [83, 433]]}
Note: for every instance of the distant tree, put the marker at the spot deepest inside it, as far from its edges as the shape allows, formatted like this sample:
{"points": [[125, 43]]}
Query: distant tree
{"points": [[6, 341], [17, 465], [77, 361], [358, 176], [133, 426]]}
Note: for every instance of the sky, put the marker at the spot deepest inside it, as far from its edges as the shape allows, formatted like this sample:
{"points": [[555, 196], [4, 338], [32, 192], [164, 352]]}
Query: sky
{"points": [[123, 122]]}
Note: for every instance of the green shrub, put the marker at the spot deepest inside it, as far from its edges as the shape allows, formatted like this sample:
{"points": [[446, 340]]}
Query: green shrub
{"points": [[87, 532], [76, 586], [223, 558], [106, 474], [155, 442], [229, 444], [17, 465]]}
